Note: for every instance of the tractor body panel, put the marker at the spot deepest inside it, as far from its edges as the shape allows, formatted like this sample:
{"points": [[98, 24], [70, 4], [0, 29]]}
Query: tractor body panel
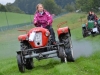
{"points": [[40, 38], [90, 24]]}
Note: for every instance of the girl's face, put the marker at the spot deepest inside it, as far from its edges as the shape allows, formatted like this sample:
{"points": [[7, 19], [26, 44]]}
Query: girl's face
{"points": [[40, 8], [90, 13], [93, 13]]}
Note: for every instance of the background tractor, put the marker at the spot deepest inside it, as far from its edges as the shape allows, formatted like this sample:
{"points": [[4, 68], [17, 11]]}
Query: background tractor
{"points": [[91, 28]]}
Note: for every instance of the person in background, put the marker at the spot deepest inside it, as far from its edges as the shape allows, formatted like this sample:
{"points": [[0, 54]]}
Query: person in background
{"points": [[43, 18], [90, 16], [95, 17]]}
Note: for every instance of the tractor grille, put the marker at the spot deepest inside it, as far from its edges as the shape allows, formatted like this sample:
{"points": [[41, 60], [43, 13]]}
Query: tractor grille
{"points": [[38, 39]]}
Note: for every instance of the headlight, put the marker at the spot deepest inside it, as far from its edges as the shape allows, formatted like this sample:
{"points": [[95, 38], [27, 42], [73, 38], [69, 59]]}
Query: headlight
{"points": [[47, 33]]}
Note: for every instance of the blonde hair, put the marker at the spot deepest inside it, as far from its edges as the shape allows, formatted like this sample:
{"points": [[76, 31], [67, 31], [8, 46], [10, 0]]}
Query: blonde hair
{"points": [[38, 6]]}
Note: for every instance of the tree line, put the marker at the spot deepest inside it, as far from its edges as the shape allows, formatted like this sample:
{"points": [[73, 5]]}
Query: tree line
{"points": [[10, 8], [29, 6], [53, 6], [88, 5]]}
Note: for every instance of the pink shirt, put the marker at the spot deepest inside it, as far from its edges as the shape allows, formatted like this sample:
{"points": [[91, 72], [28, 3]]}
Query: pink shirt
{"points": [[42, 19]]}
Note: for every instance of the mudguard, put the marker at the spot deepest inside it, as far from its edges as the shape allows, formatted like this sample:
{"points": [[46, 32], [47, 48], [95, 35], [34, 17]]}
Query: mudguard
{"points": [[63, 30], [83, 26], [22, 37]]}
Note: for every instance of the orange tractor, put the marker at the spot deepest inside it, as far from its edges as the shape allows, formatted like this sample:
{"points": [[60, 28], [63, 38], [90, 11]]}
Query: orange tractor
{"points": [[37, 44]]}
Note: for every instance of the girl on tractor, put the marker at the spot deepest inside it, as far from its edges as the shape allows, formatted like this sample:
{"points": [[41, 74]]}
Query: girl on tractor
{"points": [[43, 18], [92, 17]]}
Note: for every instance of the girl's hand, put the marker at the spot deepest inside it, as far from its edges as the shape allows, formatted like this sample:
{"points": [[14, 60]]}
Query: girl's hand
{"points": [[48, 23], [35, 22]]}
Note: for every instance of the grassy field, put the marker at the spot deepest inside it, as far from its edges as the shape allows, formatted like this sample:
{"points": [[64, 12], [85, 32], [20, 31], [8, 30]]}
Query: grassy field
{"points": [[82, 65], [14, 18]]}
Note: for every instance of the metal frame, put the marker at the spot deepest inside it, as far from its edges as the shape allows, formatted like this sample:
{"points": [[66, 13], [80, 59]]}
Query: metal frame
{"points": [[34, 55]]}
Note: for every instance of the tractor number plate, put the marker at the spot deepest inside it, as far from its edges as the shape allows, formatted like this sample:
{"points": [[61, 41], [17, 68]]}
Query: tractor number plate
{"points": [[38, 39], [95, 30]]}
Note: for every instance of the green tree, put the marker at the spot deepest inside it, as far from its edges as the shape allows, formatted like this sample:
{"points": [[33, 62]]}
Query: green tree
{"points": [[63, 3], [87, 5], [2, 8], [52, 7], [70, 7], [12, 8], [96, 5], [29, 6]]}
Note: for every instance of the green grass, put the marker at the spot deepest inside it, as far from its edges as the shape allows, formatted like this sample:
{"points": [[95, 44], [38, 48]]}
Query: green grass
{"points": [[14, 18], [82, 66]]}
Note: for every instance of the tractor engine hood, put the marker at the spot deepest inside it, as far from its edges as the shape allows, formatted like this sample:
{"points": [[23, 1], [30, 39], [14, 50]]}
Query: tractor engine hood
{"points": [[38, 37]]}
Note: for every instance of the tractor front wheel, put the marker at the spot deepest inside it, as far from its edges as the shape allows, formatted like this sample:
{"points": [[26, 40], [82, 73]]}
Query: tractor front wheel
{"points": [[20, 62], [84, 32]]}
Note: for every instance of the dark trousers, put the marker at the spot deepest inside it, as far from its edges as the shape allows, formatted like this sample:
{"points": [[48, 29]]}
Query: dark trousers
{"points": [[51, 32]]}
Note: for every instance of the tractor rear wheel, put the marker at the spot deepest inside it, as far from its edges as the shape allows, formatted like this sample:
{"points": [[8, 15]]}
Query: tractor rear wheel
{"points": [[20, 62], [99, 29], [29, 64], [68, 49], [70, 56]]}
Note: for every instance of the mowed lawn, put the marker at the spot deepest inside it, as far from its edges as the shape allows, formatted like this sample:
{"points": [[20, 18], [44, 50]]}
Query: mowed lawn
{"points": [[14, 18], [82, 65]]}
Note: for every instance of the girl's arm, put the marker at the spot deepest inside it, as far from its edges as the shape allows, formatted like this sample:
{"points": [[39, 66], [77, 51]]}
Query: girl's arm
{"points": [[49, 17], [35, 20]]}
